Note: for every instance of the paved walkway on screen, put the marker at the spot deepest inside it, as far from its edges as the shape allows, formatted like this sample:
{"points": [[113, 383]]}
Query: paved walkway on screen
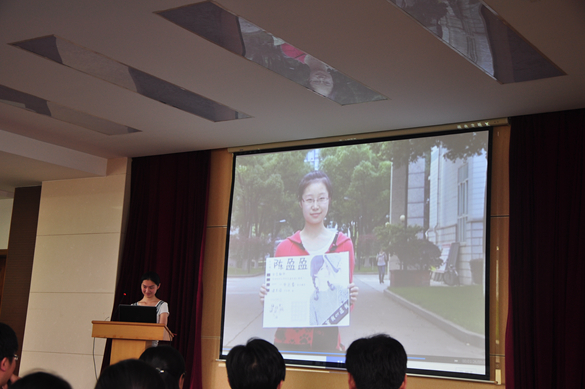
{"points": [[373, 312]]}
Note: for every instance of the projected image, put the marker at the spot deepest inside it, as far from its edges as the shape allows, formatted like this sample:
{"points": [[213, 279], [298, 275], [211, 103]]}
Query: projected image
{"points": [[331, 244]]}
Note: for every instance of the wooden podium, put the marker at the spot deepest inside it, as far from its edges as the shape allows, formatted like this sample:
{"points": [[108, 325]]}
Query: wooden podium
{"points": [[129, 340]]}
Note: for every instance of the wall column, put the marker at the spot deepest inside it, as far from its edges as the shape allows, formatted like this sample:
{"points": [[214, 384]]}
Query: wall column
{"points": [[78, 244]]}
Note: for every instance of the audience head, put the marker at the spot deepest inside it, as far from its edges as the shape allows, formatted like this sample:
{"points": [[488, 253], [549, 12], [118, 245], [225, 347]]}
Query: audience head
{"points": [[8, 349], [40, 380], [376, 362], [169, 362], [130, 374], [257, 365]]}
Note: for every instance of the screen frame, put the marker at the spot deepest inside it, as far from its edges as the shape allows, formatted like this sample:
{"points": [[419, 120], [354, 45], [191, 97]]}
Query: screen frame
{"points": [[488, 126]]}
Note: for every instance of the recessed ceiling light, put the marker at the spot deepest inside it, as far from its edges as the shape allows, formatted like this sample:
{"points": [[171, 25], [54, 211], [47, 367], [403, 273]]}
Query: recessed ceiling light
{"points": [[56, 111], [99, 66], [244, 38], [480, 35]]}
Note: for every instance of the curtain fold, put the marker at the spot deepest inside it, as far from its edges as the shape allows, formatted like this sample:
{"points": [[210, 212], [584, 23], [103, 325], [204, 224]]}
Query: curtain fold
{"points": [[166, 234], [545, 335]]}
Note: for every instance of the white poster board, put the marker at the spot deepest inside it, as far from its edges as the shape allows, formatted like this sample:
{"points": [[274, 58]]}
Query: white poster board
{"points": [[307, 291]]}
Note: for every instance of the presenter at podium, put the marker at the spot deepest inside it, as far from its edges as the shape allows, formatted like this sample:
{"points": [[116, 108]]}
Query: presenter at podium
{"points": [[150, 284]]}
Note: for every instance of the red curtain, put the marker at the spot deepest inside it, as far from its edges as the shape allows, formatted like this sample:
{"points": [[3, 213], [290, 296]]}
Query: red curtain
{"points": [[545, 338], [166, 234]]}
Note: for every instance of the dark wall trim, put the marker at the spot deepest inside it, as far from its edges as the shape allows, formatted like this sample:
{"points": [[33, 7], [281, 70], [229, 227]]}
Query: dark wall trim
{"points": [[19, 259]]}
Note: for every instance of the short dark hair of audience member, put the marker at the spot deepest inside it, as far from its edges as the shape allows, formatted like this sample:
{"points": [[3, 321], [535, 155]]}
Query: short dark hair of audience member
{"points": [[39, 380], [376, 362], [257, 365], [130, 374], [169, 362], [8, 349]]}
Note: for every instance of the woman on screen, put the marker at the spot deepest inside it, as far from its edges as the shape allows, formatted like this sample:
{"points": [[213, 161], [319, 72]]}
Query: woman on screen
{"points": [[314, 196], [150, 284]]}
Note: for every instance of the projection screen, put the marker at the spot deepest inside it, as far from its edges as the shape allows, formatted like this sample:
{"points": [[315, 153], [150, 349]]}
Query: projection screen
{"points": [[335, 242]]}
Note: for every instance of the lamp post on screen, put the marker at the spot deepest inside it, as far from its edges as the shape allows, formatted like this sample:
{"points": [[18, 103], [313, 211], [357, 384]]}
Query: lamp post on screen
{"points": [[275, 230]]}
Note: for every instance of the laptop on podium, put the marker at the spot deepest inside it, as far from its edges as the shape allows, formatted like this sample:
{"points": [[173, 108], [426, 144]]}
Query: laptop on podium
{"points": [[136, 313]]}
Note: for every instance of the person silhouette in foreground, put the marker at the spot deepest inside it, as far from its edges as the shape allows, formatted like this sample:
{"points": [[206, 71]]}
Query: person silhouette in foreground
{"points": [[376, 362], [256, 365], [8, 357], [130, 374], [168, 362]]}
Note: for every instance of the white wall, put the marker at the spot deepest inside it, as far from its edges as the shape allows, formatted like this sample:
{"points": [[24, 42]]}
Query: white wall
{"points": [[78, 245]]}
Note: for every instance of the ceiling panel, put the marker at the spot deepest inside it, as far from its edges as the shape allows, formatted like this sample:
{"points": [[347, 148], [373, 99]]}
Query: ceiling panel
{"points": [[371, 41]]}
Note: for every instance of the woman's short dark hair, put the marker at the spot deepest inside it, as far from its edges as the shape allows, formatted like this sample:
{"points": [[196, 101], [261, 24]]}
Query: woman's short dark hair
{"points": [[130, 374], [376, 362], [151, 276], [257, 365], [314, 176], [168, 361], [41, 379]]}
